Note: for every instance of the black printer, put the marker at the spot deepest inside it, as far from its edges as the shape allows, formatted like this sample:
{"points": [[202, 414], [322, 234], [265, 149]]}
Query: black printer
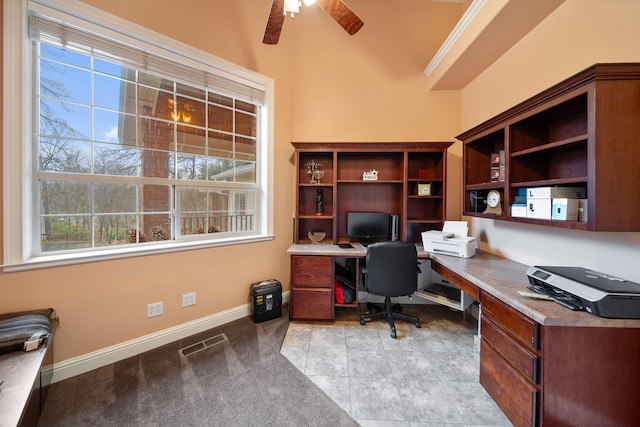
{"points": [[583, 289]]}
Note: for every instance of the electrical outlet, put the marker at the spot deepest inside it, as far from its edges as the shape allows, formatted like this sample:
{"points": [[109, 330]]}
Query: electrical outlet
{"points": [[154, 309], [189, 299]]}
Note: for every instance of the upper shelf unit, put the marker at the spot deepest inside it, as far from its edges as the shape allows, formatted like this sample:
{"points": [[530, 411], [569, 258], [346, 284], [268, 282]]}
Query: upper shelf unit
{"points": [[410, 184], [583, 132]]}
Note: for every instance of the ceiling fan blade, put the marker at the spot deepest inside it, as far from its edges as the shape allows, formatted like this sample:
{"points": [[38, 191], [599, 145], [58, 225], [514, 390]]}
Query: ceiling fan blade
{"points": [[274, 24], [342, 15]]}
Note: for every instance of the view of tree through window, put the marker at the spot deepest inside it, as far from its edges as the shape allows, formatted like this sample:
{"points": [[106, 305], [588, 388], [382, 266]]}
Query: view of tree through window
{"points": [[125, 156]]}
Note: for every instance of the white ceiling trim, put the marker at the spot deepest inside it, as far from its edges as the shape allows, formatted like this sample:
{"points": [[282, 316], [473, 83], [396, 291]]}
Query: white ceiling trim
{"points": [[468, 17], [485, 32]]}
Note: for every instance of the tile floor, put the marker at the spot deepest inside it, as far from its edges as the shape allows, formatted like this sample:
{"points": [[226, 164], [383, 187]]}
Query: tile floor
{"points": [[427, 377]]}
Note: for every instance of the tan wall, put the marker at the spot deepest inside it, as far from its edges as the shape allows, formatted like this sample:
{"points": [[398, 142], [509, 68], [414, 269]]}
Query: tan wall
{"points": [[371, 87], [104, 303], [578, 34], [329, 86]]}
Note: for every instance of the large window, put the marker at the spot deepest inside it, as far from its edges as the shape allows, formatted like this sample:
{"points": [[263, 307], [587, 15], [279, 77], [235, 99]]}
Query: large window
{"points": [[133, 146]]}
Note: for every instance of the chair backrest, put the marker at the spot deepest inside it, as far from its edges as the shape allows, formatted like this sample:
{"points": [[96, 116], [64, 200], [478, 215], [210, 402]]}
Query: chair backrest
{"points": [[392, 268]]}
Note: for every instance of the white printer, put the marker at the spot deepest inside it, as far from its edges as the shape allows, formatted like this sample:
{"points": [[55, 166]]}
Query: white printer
{"points": [[448, 242]]}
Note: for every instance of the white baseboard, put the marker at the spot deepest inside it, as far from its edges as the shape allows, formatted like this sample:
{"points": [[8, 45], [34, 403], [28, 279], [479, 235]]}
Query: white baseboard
{"points": [[97, 359]]}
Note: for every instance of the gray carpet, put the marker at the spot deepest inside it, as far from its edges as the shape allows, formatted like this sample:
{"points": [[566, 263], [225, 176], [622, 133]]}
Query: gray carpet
{"points": [[244, 381]]}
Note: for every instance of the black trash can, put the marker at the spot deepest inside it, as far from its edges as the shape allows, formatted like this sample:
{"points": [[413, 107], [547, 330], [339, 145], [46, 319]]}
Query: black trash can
{"points": [[266, 300]]}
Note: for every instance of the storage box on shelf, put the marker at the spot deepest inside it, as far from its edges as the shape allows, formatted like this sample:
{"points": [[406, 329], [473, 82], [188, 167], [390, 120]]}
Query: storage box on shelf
{"points": [[582, 132]]}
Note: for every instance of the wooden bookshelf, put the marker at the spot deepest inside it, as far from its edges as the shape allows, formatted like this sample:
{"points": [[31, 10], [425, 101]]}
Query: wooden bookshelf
{"points": [[582, 132]]}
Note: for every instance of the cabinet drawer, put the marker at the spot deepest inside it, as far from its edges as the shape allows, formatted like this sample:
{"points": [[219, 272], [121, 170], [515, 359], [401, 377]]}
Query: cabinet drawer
{"points": [[312, 271], [517, 398], [514, 353], [311, 304], [518, 325]]}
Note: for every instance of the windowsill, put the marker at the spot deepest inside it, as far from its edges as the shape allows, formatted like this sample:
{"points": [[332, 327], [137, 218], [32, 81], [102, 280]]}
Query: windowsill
{"points": [[48, 261]]}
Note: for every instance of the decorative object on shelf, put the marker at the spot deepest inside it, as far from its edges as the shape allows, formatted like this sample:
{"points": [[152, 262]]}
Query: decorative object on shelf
{"points": [[317, 176], [314, 172], [319, 202], [498, 166], [495, 174], [424, 189], [494, 203], [495, 160], [316, 236], [371, 175]]}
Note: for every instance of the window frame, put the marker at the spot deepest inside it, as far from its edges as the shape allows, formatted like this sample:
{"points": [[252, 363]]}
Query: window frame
{"points": [[21, 202]]}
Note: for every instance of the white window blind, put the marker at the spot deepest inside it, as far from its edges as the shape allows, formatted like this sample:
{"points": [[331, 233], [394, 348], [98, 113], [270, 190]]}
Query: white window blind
{"points": [[63, 35]]}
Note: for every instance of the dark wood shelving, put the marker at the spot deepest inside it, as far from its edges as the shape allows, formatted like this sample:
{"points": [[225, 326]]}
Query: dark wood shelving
{"points": [[557, 145], [573, 225], [551, 182], [401, 167], [551, 140], [369, 182], [486, 186]]}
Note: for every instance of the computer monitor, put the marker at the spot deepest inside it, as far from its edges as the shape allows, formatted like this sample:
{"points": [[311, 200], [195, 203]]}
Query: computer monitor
{"points": [[367, 227]]}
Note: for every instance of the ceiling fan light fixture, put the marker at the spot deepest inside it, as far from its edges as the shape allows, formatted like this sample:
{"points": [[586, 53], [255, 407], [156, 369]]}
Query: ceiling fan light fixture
{"points": [[291, 7], [339, 11]]}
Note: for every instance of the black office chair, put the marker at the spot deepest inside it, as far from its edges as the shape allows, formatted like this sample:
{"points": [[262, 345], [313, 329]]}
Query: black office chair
{"points": [[391, 270]]}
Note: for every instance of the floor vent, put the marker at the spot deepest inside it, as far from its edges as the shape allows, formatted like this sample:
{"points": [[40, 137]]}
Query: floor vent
{"points": [[209, 342]]}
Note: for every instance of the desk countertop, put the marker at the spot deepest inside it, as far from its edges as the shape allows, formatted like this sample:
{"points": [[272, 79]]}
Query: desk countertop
{"points": [[503, 278], [498, 276], [334, 250]]}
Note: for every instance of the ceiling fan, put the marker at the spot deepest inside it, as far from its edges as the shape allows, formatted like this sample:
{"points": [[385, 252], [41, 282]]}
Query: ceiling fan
{"points": [[339, 11]]}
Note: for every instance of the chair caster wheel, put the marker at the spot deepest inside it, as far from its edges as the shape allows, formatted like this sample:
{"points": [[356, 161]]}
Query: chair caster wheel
{"points": [[363, 322], [418, 325], [393, 334]]}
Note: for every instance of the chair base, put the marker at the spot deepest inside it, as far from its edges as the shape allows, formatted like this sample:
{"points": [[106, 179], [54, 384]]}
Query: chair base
{"points": [[390, 313]]}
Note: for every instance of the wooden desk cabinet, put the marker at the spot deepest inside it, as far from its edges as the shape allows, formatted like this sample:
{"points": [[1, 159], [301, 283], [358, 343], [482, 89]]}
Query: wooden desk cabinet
{"points": [[558, 375], [311, 296], [509, 360], [543, 364]]}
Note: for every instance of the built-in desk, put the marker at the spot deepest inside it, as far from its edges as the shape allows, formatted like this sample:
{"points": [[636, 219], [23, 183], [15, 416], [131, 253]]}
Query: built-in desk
{"points": [[311, 295], [542, 363]]}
